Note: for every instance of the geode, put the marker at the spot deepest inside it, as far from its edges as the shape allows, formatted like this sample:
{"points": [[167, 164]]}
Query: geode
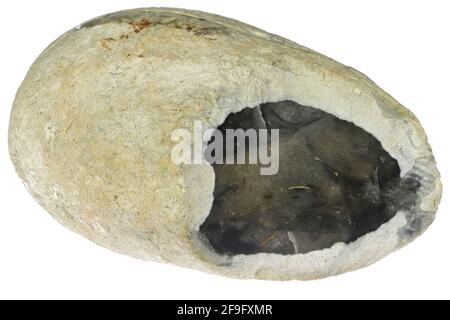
{"points": [[90, 136]]}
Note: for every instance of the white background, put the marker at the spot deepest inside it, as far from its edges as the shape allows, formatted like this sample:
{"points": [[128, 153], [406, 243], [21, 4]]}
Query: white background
{"points": [[404, 46]]}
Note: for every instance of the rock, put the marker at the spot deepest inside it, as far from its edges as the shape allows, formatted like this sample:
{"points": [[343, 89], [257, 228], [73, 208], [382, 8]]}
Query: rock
{"points": [[90, 136]]}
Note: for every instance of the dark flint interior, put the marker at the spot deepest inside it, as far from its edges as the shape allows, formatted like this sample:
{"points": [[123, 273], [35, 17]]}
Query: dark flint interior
{"points": [[335, 183]]}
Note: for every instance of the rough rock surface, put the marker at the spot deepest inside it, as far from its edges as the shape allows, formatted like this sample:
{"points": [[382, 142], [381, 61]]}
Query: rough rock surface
{"points": [[91, 124]]}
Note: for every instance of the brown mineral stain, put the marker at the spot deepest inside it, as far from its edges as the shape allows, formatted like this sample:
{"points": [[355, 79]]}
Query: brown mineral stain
{"points": [[140, 25], [105, 43]]}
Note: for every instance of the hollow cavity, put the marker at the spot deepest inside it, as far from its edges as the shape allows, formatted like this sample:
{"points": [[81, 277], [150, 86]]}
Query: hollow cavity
{"points": [[335, 183]]}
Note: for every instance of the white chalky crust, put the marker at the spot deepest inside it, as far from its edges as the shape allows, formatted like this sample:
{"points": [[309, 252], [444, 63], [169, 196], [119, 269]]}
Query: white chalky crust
{"points": [[90, 134]]}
